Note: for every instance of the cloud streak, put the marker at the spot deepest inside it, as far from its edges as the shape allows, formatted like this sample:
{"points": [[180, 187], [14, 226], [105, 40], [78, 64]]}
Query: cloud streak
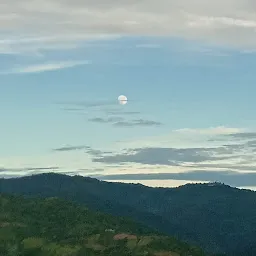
{"points": [[29, 168], [14, 172], [38, 68], [106, 120], [107, 107], [37, 45], [71, 148], [137, 123], [121, 122]]}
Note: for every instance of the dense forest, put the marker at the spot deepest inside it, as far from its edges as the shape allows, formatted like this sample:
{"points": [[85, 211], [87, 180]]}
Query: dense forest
{"points": [[216, 217], [54, 227]]}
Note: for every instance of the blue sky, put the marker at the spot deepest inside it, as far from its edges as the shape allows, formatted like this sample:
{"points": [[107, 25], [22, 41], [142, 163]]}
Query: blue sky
{"points": [[190, 89]]}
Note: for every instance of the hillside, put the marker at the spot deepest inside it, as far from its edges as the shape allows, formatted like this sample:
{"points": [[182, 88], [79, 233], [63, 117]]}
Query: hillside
{"points": [[54, 227], [218, 218]]}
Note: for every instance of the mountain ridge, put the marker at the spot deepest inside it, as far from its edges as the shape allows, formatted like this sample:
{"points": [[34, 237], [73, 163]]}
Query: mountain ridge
{"points": [[217, 217]]}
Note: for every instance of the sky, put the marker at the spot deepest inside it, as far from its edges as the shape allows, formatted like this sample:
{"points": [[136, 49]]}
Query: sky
{"points": [[187, 69]]}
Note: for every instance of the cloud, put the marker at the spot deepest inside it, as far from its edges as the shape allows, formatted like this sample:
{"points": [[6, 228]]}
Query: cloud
{"points": [[37, 45], [107, 107], [243, 135], [72, 148], [232, 178], [226, 166], [38, 68], [106, 120], [208, 21], [220, 130], [92, 170], [214, 22], [14, 172], [96, 152], [121, 122], [224, 155], [136, 123], [86, 149], [29, 169], [111, 109], [25, 171], [164, 156], [251, 143], [180, 151]]}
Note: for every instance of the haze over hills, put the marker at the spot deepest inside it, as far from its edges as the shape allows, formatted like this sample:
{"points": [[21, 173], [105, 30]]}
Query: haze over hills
{"points": [[215, 216]]}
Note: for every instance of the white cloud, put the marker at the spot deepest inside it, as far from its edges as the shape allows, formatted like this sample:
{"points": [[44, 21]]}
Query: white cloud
{"points": [[212, 130], [231, 22], [206, 21], [33, 44], [38, 68], [182, 138]]}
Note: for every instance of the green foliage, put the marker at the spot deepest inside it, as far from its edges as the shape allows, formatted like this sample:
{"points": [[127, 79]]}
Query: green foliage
{"points": [[53, 227]]}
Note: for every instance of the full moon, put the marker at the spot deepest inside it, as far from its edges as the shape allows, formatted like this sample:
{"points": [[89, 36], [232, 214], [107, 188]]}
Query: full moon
{"points": [[122, 99]]}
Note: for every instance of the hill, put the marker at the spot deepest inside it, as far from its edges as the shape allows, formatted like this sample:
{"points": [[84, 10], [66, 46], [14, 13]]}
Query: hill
{"points": [[216, 217], [54, 227]]}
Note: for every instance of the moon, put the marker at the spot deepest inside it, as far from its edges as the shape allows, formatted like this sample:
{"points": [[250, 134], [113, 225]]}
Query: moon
{"points": [[122, 99]]}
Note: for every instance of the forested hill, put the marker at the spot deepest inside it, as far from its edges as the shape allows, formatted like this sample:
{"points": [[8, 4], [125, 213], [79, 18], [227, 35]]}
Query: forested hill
{"points": [[54, 227], [216, 217]]}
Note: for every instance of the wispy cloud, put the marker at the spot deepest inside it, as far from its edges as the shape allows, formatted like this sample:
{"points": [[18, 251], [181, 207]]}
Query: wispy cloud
{"points": [[137, 123], [19, 172], [221, 130], [16, 172], [72, 148], [111, 112], [36, 45], [29, 169], [121, 122], [86, 149], [106, 120], [38, 68], [108, 107]]}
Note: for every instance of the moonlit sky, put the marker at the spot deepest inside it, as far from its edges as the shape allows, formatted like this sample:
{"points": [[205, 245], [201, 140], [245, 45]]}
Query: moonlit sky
{"points": [[187, 68]]}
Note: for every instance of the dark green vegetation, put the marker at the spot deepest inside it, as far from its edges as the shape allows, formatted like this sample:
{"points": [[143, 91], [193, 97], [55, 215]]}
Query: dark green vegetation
{"points": [[215, 217], [54, 227]]}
